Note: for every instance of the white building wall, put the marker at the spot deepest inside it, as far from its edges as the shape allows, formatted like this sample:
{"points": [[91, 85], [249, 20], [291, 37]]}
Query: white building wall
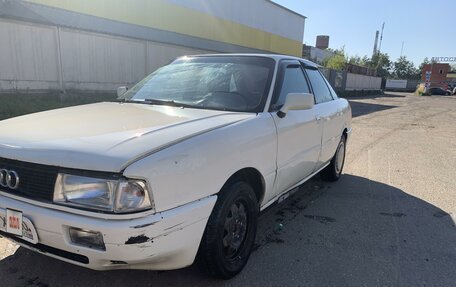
{"points": [[266, 16], [320, 55]]}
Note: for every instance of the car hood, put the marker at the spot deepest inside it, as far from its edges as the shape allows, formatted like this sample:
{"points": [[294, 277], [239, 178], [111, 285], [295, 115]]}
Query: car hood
{"points": [[104, 136]]}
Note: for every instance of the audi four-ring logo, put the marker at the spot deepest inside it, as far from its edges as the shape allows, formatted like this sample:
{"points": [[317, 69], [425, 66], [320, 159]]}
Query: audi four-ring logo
{"points": [[9, 178]]}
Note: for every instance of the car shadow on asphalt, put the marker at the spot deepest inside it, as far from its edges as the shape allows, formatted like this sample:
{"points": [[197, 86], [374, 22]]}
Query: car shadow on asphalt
{"points": [[361, 109], [349, 233]]}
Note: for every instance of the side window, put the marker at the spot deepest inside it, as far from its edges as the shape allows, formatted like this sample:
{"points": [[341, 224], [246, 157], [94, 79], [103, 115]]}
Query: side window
{"points": [[333, 93], [294, 81], [321, 91]]}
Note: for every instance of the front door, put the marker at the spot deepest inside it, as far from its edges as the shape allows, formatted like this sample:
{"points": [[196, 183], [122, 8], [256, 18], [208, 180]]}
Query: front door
{"points": [[299, 133]]}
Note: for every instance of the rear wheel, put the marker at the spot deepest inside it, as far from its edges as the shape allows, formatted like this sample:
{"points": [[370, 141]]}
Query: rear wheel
{"points": [[333, 171], [230, 232]]}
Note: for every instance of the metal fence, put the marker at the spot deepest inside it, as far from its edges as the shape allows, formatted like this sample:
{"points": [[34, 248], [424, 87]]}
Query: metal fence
{"points": [[343, 81]]}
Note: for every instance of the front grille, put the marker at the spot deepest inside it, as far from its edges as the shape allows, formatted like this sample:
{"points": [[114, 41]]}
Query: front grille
{"points": [[36, 181]]}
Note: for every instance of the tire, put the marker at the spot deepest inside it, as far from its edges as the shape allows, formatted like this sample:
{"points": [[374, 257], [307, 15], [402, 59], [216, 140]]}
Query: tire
{"points": [[230, 232], [333, 171]]}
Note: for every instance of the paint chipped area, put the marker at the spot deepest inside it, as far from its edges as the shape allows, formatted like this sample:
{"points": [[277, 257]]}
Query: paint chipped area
{"points": [[138, 239], [143, 238]]}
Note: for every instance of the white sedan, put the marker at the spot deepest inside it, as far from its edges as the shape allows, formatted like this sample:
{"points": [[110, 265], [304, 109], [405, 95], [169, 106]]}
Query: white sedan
{"points": [[177, 169]]}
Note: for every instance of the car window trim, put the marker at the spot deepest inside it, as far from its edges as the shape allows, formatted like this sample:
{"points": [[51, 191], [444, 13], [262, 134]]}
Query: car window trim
{"points": [[324, 80], [282, 66], [328, 85]]}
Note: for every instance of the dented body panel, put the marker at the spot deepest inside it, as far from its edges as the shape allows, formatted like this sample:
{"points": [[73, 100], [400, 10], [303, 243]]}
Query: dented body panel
{"points": [[149, 242], [215, 155]]}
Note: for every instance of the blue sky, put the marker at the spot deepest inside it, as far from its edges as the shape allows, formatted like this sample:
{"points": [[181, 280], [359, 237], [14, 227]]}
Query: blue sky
{"points": [[428, 28]]}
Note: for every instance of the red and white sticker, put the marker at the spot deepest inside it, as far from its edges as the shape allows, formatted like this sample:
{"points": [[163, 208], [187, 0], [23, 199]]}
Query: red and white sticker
{"points": [[14, 222]]}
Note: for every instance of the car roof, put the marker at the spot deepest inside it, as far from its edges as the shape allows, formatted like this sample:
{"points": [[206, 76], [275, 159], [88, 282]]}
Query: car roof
{"points": [[276, 57]]}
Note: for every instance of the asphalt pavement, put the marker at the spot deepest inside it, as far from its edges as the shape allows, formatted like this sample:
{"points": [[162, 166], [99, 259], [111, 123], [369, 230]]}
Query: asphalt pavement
{"points": [[389, 221]]}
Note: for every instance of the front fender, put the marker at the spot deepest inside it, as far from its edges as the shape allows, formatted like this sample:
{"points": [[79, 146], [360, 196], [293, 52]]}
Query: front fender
{"points": [[200, 166]]}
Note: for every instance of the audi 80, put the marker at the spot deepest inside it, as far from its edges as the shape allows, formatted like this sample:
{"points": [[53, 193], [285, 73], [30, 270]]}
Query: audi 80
{"points": [[177, 169]]}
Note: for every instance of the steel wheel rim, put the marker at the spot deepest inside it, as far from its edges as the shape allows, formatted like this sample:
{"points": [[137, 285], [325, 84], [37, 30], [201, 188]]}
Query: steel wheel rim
{"points": [[340, 157], [234, 229]]}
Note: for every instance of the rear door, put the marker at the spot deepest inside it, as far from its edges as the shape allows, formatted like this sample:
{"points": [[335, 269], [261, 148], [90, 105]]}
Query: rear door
{"points": [[299, 133], [328, 114]]}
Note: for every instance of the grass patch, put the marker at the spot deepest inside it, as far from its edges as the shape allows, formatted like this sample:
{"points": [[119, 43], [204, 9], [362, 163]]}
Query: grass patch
{"points": [[16, 104]]}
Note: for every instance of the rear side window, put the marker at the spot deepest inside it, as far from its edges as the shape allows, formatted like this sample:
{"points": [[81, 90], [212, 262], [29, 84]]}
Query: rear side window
{"points": [[294, 81], [333, 93], [320, 89]]}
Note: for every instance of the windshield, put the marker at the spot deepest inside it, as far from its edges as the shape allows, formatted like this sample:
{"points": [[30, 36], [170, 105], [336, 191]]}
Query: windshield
{"points": [[231, 83]]}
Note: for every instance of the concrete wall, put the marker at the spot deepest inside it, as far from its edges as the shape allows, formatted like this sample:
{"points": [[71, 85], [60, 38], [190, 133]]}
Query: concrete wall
{"points": [[362, 82], [41, 57]]}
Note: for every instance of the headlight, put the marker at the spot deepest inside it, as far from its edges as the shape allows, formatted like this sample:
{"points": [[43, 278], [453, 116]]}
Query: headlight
{"points": [[118, 196]]}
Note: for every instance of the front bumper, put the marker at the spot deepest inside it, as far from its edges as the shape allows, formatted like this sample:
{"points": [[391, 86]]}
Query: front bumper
{"points": [[162, 241]]}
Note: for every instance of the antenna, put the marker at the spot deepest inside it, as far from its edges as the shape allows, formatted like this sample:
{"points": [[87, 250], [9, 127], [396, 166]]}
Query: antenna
{"points": [[402, 49], [381, 38]]}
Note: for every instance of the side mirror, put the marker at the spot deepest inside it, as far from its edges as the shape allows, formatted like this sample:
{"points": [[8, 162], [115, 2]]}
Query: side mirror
{"points": [[296, 101], [121, 91]]}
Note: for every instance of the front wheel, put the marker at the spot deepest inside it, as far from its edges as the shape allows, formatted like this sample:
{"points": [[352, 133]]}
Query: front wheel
{"points": [[333, 171], [230, 232]]}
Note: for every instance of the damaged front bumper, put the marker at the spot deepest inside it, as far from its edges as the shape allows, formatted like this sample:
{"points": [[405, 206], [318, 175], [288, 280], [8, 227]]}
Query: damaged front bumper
{"points": [[160, 241]]}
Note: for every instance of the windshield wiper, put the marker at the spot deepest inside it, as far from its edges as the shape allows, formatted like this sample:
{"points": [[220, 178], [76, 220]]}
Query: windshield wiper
{"points": [[167, 103], [155, 102]]}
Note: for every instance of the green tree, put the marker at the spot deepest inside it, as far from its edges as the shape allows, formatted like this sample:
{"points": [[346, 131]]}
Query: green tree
{"points": [[404, 69], [357, 60], [337, 61], [382, 64], [425, 62]]}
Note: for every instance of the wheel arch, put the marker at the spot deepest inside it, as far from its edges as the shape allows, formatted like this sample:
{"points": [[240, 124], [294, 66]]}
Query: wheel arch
{"points": [[253, 177]]}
